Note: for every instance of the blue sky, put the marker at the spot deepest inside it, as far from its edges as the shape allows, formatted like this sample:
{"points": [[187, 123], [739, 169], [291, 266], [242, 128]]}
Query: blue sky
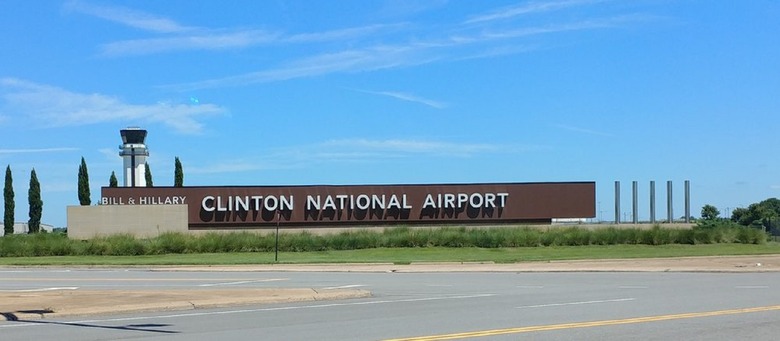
{"points": [[397, 92]]}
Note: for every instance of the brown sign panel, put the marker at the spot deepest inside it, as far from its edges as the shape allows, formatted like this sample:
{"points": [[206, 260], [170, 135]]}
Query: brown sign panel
{"points": [[259, 206]]}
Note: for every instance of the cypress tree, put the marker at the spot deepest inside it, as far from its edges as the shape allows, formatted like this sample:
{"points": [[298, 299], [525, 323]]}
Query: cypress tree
{"points": [[84, 198], [112, 182], [8, 195], [148, 175], [178, 174], [36, 204]]}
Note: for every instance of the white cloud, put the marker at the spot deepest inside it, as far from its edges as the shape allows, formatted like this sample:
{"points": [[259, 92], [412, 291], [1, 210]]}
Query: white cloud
{"points": [[415, 45], [340, 34], [371, 59], [37, 150], [226, 39], [178, 37], [56, 107], [499, 51], [353, 151], [200, 41], [408, 97], [529, 8], [592, 24], [419, 52], [128, 17], [220, 39]]}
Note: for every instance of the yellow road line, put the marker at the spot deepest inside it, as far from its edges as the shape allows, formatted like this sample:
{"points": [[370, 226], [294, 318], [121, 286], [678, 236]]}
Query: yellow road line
{"points": [[588, 324]]}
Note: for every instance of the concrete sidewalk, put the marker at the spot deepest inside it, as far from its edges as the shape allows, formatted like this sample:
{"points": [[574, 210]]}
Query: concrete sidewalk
{"points": [[58, 303]]}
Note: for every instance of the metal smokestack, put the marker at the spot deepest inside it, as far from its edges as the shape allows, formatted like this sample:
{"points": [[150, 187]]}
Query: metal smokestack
{"points": [[617, 202], [635, 202], [669, 204], [652, 202], [687, 201]]}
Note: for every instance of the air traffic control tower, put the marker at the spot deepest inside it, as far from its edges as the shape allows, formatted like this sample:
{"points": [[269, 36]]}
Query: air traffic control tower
{"points": [[134, 153]]}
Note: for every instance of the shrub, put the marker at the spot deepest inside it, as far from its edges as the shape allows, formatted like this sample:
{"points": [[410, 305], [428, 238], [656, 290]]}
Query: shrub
{"points": [[658, 236], [575, 236], [749, 235], [686, 237], [298, 242], [169, 242], [57, 244], [123, 245], [214, 242], [453, 237], [527, 237]]}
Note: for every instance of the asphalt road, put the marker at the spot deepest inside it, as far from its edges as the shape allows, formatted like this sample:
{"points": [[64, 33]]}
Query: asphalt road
{"points": [[427, 306]]}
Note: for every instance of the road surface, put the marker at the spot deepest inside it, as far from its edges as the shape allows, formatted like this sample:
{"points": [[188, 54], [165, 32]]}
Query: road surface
{"points": [[421, 306]]}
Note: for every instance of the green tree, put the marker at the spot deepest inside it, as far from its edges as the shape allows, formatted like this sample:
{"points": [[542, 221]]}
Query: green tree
{"points": [[762, 214], [178, 174], [738, 213], [112, 182], [10, 206], [84, 198], [36, 204], [709, 212], [148, 175]]}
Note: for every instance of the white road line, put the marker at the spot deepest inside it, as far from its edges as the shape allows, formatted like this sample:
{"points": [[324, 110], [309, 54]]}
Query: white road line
{"points": [[16, 324], [244, 282], [751, 287], [439, 285], [41, 289], [575, 303], [344, 287], [633, 287]]}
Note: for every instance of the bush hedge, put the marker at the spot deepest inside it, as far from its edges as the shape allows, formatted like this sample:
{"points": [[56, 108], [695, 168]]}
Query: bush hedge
{"points": [[401, 237]]}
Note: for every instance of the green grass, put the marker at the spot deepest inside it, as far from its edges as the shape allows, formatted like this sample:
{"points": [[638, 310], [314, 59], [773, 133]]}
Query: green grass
{"points": [[41, 245], [400, 245], [410, 255]]}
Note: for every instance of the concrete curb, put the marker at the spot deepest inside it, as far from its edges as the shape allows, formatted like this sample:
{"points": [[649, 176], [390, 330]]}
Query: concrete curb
{"points": [[21, 307], [736, 264]]}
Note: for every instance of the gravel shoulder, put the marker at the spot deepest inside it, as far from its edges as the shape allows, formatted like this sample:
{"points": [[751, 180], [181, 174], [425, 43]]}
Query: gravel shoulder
{"points": [[20, 305]]}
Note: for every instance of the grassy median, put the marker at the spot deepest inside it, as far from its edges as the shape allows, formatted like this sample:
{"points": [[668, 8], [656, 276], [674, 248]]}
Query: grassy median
{"points": [[411, 255], [397, 245]]}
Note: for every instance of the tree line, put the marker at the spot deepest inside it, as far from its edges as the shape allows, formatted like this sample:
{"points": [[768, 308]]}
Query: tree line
{"points": [[764, 214], [36, 203]]}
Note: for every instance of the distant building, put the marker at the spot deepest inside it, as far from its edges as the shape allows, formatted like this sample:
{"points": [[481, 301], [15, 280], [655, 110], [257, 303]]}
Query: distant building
{"points": [[23, 228]]}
